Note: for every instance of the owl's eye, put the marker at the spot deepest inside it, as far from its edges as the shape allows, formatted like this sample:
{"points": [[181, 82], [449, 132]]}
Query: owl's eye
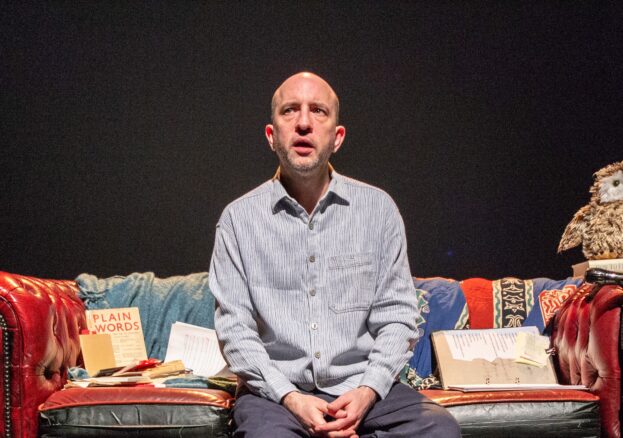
{"points": [[616, 183]]}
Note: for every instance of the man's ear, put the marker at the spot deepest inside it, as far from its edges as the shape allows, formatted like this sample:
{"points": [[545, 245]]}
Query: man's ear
{"points": [[340, 134], [268, 132]]}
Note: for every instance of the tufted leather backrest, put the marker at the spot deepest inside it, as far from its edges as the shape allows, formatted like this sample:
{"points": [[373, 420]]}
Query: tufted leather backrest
{"points": [[586, 334], [32, 310]]}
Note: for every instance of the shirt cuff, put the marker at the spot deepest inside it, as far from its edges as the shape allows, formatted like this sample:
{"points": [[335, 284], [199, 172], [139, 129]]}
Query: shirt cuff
{"points": [[379, 380], [276, 386]]}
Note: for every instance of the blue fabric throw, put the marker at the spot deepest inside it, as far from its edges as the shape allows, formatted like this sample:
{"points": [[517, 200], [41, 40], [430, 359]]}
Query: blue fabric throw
{"points": [[161, 302], [443, 307]]}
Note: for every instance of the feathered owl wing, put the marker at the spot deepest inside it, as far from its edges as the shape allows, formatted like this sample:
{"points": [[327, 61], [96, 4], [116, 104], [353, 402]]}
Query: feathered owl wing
{"points": [[572, 236]]}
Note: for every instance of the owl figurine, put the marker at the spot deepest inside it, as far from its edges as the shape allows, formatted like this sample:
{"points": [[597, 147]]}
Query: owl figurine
{"points": [[598, 226]]}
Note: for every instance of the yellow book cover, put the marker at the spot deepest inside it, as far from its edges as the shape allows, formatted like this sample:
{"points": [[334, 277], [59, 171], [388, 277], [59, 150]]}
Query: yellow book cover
{"points": [[125, 329]]}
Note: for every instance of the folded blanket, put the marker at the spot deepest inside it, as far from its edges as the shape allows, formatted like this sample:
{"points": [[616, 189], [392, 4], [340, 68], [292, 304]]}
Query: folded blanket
{"points": [[161, 302]]}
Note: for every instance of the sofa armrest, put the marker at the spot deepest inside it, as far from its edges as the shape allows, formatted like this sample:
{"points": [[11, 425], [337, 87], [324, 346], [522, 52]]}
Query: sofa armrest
{"points": [[586, 335], [40, 322]]}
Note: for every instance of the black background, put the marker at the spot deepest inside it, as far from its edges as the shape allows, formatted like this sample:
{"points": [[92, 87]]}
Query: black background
{"points": [[127, 127]]}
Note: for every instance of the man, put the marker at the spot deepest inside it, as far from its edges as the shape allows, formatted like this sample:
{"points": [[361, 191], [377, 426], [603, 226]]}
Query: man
{"points": [[315, 302]]}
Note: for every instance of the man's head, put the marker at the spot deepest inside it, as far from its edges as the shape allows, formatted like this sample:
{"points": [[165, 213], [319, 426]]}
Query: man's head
{"points": [[304, 130]]}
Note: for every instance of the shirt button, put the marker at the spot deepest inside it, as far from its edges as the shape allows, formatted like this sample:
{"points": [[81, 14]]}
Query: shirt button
{"points": [[312, 292], [311, 225], [313, 326], [312, 259], [317, 355]]}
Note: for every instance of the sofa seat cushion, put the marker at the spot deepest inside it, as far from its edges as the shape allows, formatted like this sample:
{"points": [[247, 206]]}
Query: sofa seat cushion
{"points": [[538, 413], [135, 411]]}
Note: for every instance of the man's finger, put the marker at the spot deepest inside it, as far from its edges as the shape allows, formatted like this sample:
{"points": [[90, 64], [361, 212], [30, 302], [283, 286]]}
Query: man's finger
{"points": [[338, 403], [337, 425], [338, 414], [348, 433], [317, 419]]}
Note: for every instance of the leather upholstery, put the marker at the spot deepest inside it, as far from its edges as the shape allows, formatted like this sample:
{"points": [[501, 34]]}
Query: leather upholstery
{"points": [[541, 413], [137, 395], [586, 334], [136, 411], [457, 398], [44, 319]]}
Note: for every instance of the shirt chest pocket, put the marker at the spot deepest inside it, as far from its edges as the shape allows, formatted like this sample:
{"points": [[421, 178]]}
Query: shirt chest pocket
{"points": [[351, 282]]}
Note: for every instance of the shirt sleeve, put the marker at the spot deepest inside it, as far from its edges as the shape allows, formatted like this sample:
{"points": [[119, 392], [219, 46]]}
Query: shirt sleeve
{"points": [[392, 319], [235, 319]]}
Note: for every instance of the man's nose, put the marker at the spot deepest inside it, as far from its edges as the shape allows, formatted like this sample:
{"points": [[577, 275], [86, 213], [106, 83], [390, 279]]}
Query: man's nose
{"points": [[303, 123]]}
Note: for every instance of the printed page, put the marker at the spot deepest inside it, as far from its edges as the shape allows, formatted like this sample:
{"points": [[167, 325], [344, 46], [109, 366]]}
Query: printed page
{"points": [[485, 344], [198, 348]]}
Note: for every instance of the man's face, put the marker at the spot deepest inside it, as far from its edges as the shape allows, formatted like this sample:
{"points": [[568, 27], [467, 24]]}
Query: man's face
{"points": [[304, 132]]}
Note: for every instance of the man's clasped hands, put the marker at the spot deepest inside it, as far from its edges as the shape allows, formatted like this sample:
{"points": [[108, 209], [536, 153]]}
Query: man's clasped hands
{"points": [[345, 413]]}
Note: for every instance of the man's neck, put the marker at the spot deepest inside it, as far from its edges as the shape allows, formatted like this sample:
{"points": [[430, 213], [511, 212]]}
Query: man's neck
{"points": [[306, 189]]}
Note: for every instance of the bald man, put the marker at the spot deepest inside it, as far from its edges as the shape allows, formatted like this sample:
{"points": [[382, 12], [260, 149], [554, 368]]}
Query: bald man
{"points": [[316, 308]]}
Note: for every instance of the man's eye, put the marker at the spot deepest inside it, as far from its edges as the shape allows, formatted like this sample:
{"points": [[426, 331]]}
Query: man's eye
{"points": [[319, 111], [287, 111]]}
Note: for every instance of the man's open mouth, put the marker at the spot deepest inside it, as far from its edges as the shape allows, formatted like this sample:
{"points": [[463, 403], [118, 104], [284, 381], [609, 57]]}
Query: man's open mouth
{"points": [[303, 147], [303, 144]]}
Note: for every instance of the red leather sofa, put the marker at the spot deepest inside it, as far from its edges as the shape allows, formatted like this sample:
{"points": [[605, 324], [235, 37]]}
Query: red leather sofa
{"points": [[40, 321]]}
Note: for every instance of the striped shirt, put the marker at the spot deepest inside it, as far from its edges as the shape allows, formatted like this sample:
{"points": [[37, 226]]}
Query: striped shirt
{"points": [[322, 301]]}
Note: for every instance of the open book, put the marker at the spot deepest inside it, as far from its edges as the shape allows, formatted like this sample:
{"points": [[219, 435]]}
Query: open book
{"points": [[486, 360]]}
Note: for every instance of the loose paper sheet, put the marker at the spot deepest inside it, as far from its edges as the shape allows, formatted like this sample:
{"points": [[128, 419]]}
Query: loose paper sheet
{"points": [[532, 349], [198, 348]]}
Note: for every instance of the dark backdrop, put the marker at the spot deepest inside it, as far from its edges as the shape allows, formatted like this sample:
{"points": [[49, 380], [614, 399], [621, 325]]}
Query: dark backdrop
{"points": [[127, 127]]}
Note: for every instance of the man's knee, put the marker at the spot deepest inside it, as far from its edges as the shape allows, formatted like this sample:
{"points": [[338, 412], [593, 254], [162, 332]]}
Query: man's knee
{"points": [[258, 417], [426, 419], [408, 413], [442, 423]]}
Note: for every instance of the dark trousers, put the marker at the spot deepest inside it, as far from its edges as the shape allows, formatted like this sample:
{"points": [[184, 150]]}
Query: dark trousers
{"points": [[403, 413]]}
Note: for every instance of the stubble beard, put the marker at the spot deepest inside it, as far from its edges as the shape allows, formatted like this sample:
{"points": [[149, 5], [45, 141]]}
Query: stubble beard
{"points": [[302, 165]]}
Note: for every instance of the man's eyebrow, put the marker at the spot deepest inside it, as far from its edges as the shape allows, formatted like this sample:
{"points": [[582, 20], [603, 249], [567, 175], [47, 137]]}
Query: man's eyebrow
{"points": [[321, 105], [288, 103]]}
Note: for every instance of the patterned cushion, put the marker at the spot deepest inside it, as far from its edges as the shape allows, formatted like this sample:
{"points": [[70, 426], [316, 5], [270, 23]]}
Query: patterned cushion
{"points": [[443, 307], [448, 304]]}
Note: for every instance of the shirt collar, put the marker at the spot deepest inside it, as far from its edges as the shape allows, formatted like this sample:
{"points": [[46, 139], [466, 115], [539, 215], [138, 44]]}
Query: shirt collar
{"points": [[336, 187]]}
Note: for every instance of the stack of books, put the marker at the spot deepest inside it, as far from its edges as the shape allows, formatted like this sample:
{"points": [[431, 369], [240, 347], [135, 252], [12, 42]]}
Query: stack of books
{"points": [[614, 265]]}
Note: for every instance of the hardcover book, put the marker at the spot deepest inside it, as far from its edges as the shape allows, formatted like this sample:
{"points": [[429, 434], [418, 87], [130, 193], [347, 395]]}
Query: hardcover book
{"points": [[125, 330], [614, 265]]}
